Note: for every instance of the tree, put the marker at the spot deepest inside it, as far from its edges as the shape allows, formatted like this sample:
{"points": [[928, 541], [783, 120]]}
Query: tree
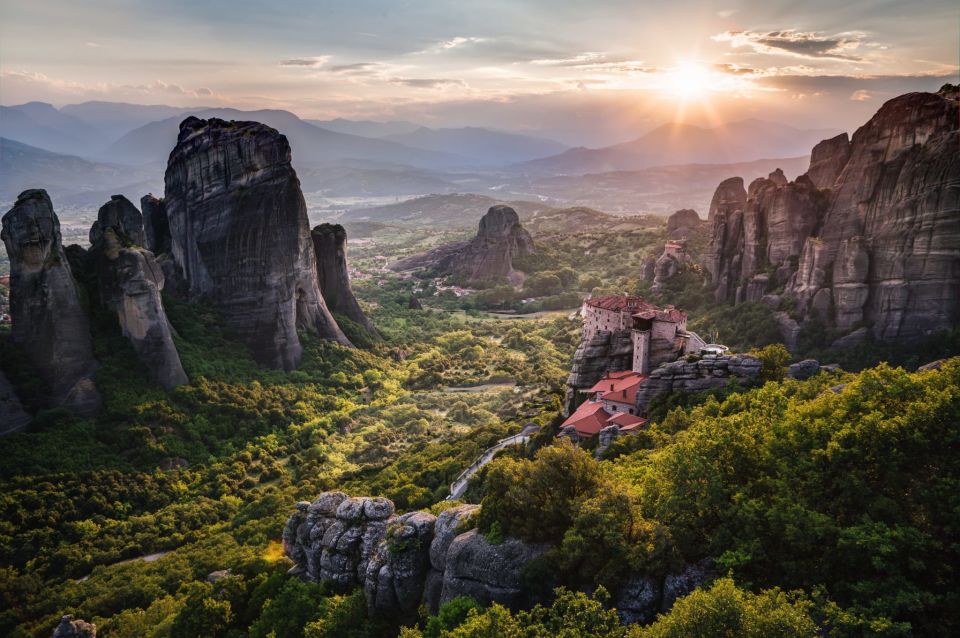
{"points": [[773, 359]]}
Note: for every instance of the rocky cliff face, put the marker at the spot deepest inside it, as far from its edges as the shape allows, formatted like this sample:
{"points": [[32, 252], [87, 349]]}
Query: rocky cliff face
{"points": [[696, 376], [402, 561], [130, 283], [755, 241], [486, 258], [330, 246], [156, 227], [13, 418], [683, 224], [49, 322], [240, 235], [880, 247], [418, 558], [605, 352]]}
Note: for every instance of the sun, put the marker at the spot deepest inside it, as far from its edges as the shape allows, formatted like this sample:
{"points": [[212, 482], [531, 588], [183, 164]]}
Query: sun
{"points": [[688, 81]]}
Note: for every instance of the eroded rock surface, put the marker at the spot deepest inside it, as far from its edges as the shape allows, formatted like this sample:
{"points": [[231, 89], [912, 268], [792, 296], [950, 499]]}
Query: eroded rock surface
{"points": [[330, 246], [13, 418], [683, 224], [130, 284], [696, 376], [70, 628], [870, 236], [155, 224], [49, 321], [240, 235], [486, 258]]}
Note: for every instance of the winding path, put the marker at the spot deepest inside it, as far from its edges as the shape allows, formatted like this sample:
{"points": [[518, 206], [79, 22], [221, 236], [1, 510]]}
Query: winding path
{"points": [[459, 485]]}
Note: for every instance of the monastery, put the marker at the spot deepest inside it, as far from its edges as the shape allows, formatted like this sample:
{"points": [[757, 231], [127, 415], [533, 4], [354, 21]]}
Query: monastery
{"points": [[657, 335]]}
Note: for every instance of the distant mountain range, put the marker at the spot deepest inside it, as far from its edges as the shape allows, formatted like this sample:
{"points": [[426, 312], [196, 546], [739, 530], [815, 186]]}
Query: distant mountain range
{"points": [[670, 144], [454, 210], [69, 180], [485, 146]]}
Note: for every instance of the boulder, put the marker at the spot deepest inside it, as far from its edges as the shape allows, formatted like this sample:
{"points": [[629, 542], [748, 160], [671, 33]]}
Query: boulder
{"points": [[240, 235], [70, 628], [49, 322], [803, 370], [487, 572], [330, 247]]}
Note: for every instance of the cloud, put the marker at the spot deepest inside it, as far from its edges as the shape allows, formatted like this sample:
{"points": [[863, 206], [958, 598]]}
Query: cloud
{"points": [[861, 95], [726, 13], [801, 44], [734, 69], [428, 83], [452, 43], [596, 61], [315, 61], [357, 68], [93, 45], [203, 91]]}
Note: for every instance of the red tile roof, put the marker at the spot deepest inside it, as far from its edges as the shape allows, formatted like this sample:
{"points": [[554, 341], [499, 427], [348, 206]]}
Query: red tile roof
{"points": [[588, 419], [624, 390], [626, 421]]}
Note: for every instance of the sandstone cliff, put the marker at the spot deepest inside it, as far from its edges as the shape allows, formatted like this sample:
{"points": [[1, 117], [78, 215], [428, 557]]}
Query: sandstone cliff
{"points": [[486, 258], [130, 281], [240, 235], [879, 246], [330, 246], [49, 322], [683, 224], [156, 227]]}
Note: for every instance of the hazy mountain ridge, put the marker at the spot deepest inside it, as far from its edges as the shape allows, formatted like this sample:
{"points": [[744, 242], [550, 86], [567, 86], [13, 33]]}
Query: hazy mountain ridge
{"points": [[677, 143]]}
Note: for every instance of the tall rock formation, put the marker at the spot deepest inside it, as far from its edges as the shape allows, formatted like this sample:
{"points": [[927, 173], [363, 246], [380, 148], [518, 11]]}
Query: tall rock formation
{"points": [[754, 237], [130, 283], [878, 247], [487, 258], [49, 322], [13, 418], [683, 224], [155, 225], [330, 246], [239, 233]]}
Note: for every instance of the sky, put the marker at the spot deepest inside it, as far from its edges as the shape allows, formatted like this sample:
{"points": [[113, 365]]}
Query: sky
{"points": [[586, 72]]}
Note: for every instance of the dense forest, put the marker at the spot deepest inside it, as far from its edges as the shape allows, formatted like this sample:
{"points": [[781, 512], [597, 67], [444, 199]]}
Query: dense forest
{"points": [[826, 506]]}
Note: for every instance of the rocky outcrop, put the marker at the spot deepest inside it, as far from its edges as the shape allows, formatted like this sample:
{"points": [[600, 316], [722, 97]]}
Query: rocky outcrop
{"points": [[803, 370], [644, 596], [605, 352], [49, 322], [487, 258], [488, 573], [70, 628], [753, 248], [397, 571], [13, 418], [696, 376], [155, 224], [240, 235], [828, 159], [402, 561], [330, 246], [879, 247], [683, 224], [130, 283]]}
